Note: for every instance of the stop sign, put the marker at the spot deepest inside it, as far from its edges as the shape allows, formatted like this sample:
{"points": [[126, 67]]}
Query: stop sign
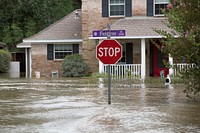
{"points": [[109, 51]]}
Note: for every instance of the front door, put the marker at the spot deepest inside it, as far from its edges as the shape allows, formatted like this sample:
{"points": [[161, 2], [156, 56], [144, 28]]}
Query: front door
{"points": [[159, 67]]}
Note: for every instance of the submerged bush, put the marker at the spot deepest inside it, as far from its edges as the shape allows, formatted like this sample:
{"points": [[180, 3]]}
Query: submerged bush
{"points": [[74, 66], [5, 58]]}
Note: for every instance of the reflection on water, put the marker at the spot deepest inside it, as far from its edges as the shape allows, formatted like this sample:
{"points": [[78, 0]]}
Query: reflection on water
{"points": [[73, 106]]}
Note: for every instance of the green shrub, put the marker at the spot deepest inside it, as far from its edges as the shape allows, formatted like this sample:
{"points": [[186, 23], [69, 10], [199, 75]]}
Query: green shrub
{"points": [[5, 58], [74, 66]]}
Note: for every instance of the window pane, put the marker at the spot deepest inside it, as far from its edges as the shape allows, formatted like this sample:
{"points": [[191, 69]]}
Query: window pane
{"points": [[116, 10], [160, 9], [61, 55], [116, 1], [61, 50], [67, 47], [58, 47], [63, 47]]}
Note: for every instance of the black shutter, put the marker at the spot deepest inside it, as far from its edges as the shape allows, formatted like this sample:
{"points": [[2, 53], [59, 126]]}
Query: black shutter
{"points": [[49, 51], [75, 48], [128, 8], [104, 8], [149, 7], [129, 53]]}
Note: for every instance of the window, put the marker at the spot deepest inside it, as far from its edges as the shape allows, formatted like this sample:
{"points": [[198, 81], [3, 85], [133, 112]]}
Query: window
{"points": [[116, 7], [160, 7], [61, 50]]}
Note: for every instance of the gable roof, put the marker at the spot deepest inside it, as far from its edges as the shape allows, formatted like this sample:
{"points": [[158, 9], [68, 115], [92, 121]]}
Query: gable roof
{"points": [[67, 29], [139, 27]]}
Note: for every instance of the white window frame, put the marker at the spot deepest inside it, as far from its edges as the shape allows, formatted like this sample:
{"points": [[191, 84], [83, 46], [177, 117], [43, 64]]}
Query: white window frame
{"points": [[54, 51], [154, 7], [118, 4]]}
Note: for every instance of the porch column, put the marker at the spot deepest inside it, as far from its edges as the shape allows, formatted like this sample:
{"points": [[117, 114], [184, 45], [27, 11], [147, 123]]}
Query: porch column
{"points": [[100, 67], [26, 58], [171, 70], [143, 59], [100, 64], [28, 62]]}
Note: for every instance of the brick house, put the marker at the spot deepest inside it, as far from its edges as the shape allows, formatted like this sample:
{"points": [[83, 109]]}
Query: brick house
{"points": [[45, 50], [73, 34]]}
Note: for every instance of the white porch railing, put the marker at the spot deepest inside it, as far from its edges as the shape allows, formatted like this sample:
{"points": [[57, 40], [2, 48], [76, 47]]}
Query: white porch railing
{"points": [[124, 71], [181, 67], [133, 71]]}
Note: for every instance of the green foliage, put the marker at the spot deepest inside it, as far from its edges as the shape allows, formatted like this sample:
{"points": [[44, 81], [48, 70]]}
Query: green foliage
{"points": [[99, 75], [74, 66], [184, 18], [22, 18], [5, 58]]}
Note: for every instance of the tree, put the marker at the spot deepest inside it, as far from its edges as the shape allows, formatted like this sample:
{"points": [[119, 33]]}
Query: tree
{"points": [[5, 58], [22, 18], [183, 17]]}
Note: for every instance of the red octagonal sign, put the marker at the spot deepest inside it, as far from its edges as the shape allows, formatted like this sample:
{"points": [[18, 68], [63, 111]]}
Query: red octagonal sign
{"points": [[109, 51]]}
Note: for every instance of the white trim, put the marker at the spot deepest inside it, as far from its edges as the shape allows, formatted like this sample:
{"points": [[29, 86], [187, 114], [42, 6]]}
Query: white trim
{"points": [[26, 60], [143, 59], [54, 41], [132, 37], [23, 46], [30, 63], [101, 65], [171, 70], [28, 66], [128, 37]]}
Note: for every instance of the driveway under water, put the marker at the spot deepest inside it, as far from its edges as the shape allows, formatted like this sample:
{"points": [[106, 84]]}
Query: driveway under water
{"points": [[68, 106]]}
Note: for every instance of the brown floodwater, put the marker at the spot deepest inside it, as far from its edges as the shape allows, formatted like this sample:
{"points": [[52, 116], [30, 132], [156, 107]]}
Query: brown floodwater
{"points": [[74, 106]]}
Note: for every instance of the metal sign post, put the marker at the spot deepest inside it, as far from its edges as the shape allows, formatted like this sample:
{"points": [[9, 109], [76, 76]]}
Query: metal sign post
{"points": [[109, 85], [109, 77]]}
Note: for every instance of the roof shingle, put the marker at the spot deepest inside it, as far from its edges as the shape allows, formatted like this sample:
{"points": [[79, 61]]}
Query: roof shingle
{"points": [[138, 27]]}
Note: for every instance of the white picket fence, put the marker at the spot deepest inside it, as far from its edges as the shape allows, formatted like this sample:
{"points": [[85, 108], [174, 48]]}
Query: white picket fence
{"points": [[124, 71], [181, 67]]}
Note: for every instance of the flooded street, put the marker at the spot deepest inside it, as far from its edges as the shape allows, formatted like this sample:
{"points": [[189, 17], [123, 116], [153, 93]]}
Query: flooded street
{"points": [[73, 106]]}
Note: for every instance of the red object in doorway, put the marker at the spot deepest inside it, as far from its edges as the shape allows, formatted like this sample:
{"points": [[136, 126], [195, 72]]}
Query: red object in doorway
{"points": [[158, 64]]}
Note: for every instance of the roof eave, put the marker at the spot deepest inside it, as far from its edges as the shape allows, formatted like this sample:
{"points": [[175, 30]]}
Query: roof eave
{"points": [[54, 41], [23, 46], [131, 37]]}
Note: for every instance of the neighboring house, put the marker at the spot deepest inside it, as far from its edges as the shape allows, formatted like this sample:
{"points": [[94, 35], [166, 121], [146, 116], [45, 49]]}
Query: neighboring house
{"points": [[73, 34], [45, 50]]}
